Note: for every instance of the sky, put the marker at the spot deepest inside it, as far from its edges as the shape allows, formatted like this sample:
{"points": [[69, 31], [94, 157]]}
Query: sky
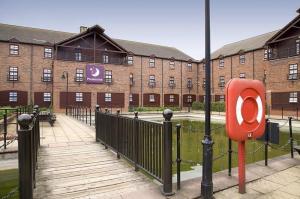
{"points": [[176, 23]]}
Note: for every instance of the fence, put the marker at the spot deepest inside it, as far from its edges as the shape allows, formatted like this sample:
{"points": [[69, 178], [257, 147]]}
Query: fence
{"points": [[84, 114], [8, 114], [148, 145]]}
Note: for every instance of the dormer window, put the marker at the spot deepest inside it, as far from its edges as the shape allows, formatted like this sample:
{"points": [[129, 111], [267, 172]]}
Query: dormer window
{"points": [[78, 56], [130, 60], [13, 49], [105, 59]]}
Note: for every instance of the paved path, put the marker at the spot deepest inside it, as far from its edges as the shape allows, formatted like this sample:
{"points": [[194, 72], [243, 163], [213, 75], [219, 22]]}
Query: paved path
{"points": [[72, 165]]}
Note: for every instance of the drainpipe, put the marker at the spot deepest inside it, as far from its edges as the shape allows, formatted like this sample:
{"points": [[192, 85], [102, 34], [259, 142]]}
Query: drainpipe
{"points": [[162, 82], [142, 104], [197, 95], [31, 77], [253, 72], [181, 97]]}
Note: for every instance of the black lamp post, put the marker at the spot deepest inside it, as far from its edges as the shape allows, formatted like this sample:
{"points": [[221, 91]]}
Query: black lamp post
{"points": [[207, 184], [65, 75]]}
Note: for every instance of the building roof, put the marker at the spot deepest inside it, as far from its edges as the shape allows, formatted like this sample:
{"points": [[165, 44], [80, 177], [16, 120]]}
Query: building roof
{"points": [[46, 37], [245, 45]]}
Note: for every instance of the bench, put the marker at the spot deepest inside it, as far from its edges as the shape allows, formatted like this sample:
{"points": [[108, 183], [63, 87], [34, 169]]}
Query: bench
{"points": [[47, 116]]}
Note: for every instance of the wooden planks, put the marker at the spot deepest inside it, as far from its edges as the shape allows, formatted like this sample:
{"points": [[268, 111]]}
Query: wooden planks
{"points": [[72, 165]]}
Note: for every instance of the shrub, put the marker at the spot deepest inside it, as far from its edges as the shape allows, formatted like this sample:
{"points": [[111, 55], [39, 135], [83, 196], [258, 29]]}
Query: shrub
{"points": [[148, 109], [215, 106]]}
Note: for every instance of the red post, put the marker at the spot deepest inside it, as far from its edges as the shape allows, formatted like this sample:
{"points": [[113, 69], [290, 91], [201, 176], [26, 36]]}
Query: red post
{"points": [[242, 176]]}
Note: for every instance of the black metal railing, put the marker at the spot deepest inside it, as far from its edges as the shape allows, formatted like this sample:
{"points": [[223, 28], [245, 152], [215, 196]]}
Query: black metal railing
{"points": [[147, 145], [7, 116], [83, 114], [28, 145], [283, 53]]}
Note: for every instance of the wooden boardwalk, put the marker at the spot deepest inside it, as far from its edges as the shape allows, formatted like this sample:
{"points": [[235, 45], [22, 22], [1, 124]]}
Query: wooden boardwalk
{"points": [[72, 165]]}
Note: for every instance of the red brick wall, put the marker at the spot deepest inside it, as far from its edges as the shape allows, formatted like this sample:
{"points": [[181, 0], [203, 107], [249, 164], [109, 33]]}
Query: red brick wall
{"points": [[147, 103], [167, 100], [21, 98], [72, 99], [117, 100]]}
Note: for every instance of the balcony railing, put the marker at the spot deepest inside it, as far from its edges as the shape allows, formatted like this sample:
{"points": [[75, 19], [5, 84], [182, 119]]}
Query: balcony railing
{"points": [[172, 85], [283, 53], [152, 84], [13, 78], [294, 76]]}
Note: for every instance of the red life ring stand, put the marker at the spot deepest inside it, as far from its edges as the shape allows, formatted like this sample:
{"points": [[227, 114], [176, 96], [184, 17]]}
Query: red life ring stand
{"points": [[245, 108]]}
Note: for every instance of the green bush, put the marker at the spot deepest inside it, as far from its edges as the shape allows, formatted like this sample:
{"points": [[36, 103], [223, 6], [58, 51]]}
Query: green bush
{"points": [[149, 109], [215, 106]]}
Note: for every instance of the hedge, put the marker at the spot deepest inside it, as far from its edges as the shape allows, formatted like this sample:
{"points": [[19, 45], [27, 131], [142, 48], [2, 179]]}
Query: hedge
{"points": [[215, 106]]}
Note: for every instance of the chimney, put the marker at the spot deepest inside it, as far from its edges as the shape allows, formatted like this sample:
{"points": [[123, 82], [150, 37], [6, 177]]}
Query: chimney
{"points": [[83, 29]]}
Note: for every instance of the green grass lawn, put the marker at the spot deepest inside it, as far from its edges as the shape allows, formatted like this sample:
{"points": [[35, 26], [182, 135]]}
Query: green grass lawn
{"points": [[8, 182]]}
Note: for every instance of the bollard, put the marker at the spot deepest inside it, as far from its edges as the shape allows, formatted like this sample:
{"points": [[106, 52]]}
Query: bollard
{"points": [[229, 156], [117, 138], [266, 141], [37, 109], [178, 159], [167, 150], [90, 117], [86, 115], [105, 130], [5, 128], [96, 122], [66, 110], [25, 157], [136, 141], [291, 137]]}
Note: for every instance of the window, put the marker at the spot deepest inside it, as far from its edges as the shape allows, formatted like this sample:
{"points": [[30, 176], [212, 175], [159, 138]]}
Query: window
{"points": [[78, 56], [172, 64], [79, 97], [151, 62], [107, 97], [190, 67], [130, 98], [293, 97], [129, 60], [151, 98], [293, 71], [79, 75], [204, 82], [13, 96], [222, 98], [151, 80], [48, 52], [242, 59], [172, 98], [189, 99], [242, 75], [221, 62], [47, 97], [47, 75], [13, 74], [221, 81], [13, 49], [189, 83], [171, 82], [267, 53], [108, 76], [105, 59]]}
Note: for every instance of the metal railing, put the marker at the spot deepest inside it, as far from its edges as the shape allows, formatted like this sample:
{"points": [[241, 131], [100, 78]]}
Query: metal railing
{"points": [[28, 145], [147, 145], [8, 115], [283, 53]]}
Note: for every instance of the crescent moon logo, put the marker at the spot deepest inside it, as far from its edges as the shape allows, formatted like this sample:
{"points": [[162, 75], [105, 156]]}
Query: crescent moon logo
{"points": [[96, 73]]}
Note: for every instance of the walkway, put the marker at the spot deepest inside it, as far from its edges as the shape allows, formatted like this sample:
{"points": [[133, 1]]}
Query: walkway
{"points": [[72, 165]]}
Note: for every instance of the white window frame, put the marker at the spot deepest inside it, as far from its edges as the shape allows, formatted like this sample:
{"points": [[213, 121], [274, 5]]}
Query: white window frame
{"points": [[130, 98], [151, 98], [190, 67], [293, 71], [78, 56], [293, 98], [13, 74], [47, 75], [107, 97], [108, 76], [79, 75], [105, 59], [152, 80], [242, 59], [189, 99], [242, 76], [48, 52], [130, 60], [14, 49], [79, 97], [13, 96], [221, 63], [172, 98], [172, 64], [222, 98], [47, 97], [151, 62]]}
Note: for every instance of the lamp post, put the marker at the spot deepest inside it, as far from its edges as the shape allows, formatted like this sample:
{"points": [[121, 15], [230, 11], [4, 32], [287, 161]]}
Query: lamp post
{"points": [[65, 75], [207, 184]]}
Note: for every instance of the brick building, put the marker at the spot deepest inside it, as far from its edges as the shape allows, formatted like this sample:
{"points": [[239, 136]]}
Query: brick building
{"points": [[35, 65]]}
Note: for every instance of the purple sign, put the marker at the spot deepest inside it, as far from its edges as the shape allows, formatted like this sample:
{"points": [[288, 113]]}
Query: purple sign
{"points": [[94, 74]]}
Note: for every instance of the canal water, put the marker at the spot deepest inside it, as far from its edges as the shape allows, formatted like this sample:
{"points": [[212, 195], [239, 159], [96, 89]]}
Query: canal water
{"points": [[192, 133]]}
